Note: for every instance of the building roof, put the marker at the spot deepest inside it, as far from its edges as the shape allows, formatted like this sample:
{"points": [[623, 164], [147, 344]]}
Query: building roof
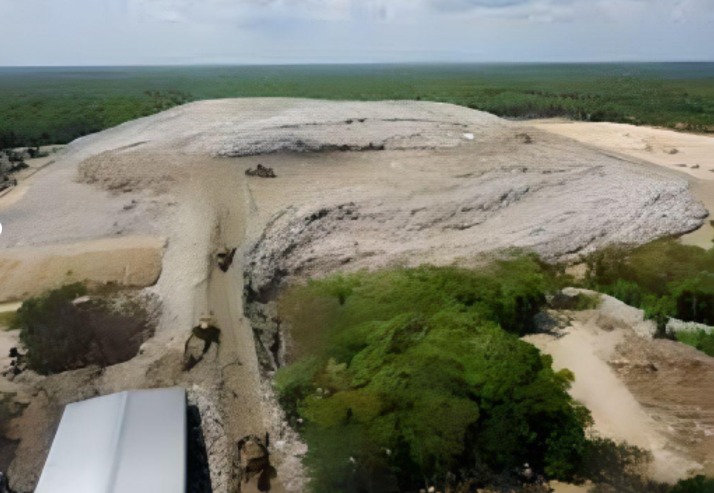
{"points": [[130, 442]]}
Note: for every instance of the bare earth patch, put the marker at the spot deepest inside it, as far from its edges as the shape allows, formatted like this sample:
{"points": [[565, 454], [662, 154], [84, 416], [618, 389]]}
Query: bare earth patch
{"points": [[127, 261], [647, 392]]}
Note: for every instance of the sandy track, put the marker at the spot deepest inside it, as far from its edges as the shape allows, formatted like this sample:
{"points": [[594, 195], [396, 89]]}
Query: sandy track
{"points": [[585, 349], [647, 392]]}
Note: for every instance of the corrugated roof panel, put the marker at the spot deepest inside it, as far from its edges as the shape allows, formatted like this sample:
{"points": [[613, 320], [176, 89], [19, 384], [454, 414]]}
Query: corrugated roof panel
{"points": [[130, 442]]}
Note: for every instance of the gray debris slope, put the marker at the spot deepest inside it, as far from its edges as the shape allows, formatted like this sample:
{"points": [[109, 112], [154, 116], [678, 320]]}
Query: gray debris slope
{"points": [[553, 197], [246, 127], [444, 182]]}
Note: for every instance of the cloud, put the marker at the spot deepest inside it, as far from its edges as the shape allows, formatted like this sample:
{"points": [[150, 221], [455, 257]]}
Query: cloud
{"points": [[463, 5], [258, 31], [246, 12]]}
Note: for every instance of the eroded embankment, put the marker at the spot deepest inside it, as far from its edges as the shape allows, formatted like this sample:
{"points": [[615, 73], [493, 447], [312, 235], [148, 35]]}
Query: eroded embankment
{"points": [[647, 392], [125, 261]]}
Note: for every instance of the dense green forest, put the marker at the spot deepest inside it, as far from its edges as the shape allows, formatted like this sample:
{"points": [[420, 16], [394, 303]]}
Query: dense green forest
{"points": [[57, 105]]}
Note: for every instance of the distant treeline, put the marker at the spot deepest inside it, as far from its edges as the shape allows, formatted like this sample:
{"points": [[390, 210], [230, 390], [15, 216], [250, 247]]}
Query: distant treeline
{"points": [[57, 105], [59, 120]]}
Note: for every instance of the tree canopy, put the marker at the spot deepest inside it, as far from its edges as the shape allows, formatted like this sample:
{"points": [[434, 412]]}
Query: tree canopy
{"points": [[420, 374]]}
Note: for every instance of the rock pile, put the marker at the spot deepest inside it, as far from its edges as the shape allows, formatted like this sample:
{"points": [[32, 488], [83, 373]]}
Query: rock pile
{"points": [[261, 172]]}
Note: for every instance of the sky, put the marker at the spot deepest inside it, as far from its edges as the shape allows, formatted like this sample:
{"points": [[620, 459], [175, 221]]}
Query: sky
{"points": [[170, 32]]}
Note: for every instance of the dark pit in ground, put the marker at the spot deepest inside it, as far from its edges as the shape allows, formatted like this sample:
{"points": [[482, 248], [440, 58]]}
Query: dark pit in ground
{"points": [[9, 409], [66, 329], [198, 473]]}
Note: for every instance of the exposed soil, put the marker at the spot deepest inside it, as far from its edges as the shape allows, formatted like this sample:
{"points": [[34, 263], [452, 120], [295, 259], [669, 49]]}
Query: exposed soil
{"points": [[668, 379], [130, 261], [647, 392]]}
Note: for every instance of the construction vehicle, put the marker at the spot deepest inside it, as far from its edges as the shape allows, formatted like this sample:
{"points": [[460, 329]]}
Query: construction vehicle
{"points": [[224, 258]]}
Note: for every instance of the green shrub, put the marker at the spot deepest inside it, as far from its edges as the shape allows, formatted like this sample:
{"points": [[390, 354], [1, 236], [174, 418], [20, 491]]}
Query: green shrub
{"points": [[61, 336], [413, 377], [7, 320], [700, 340], [664, 278], [698, 484], [694, 298], [618, 468], [52, 330], [587, 302]]}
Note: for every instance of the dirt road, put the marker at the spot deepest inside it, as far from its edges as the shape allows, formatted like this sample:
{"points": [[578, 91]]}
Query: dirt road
{"points": [[224, 298], [646, 392]]}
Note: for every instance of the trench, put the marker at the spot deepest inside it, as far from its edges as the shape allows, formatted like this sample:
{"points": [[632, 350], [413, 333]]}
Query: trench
{"points": [[221, 296]]}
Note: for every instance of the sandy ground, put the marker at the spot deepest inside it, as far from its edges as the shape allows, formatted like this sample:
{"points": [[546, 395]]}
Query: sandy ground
{"points": [[131, 261], [638, 390], [34, 165], [559, 487], [9, 307], [689, 154], [655, 145], [359, 185]]}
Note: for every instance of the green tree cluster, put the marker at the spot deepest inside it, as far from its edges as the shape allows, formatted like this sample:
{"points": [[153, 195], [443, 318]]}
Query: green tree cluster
{"points": [[698, 484], [420, 375], [665, 278]]}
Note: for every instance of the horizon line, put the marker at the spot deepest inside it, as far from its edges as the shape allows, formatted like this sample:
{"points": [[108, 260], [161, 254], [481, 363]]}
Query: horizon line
{"points": [[317, 63]]}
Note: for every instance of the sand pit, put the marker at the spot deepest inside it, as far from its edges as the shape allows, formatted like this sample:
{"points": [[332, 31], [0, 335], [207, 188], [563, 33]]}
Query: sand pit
{"points": [[126, 261]]}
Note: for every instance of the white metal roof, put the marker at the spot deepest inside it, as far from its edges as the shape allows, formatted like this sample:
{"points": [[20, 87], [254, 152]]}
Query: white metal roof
{"points": [[130, 442]]}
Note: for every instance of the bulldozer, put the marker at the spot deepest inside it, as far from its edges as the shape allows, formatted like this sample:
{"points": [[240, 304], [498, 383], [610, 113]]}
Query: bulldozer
{"points": [[261, 172], [205, 331], [224, 258]]}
